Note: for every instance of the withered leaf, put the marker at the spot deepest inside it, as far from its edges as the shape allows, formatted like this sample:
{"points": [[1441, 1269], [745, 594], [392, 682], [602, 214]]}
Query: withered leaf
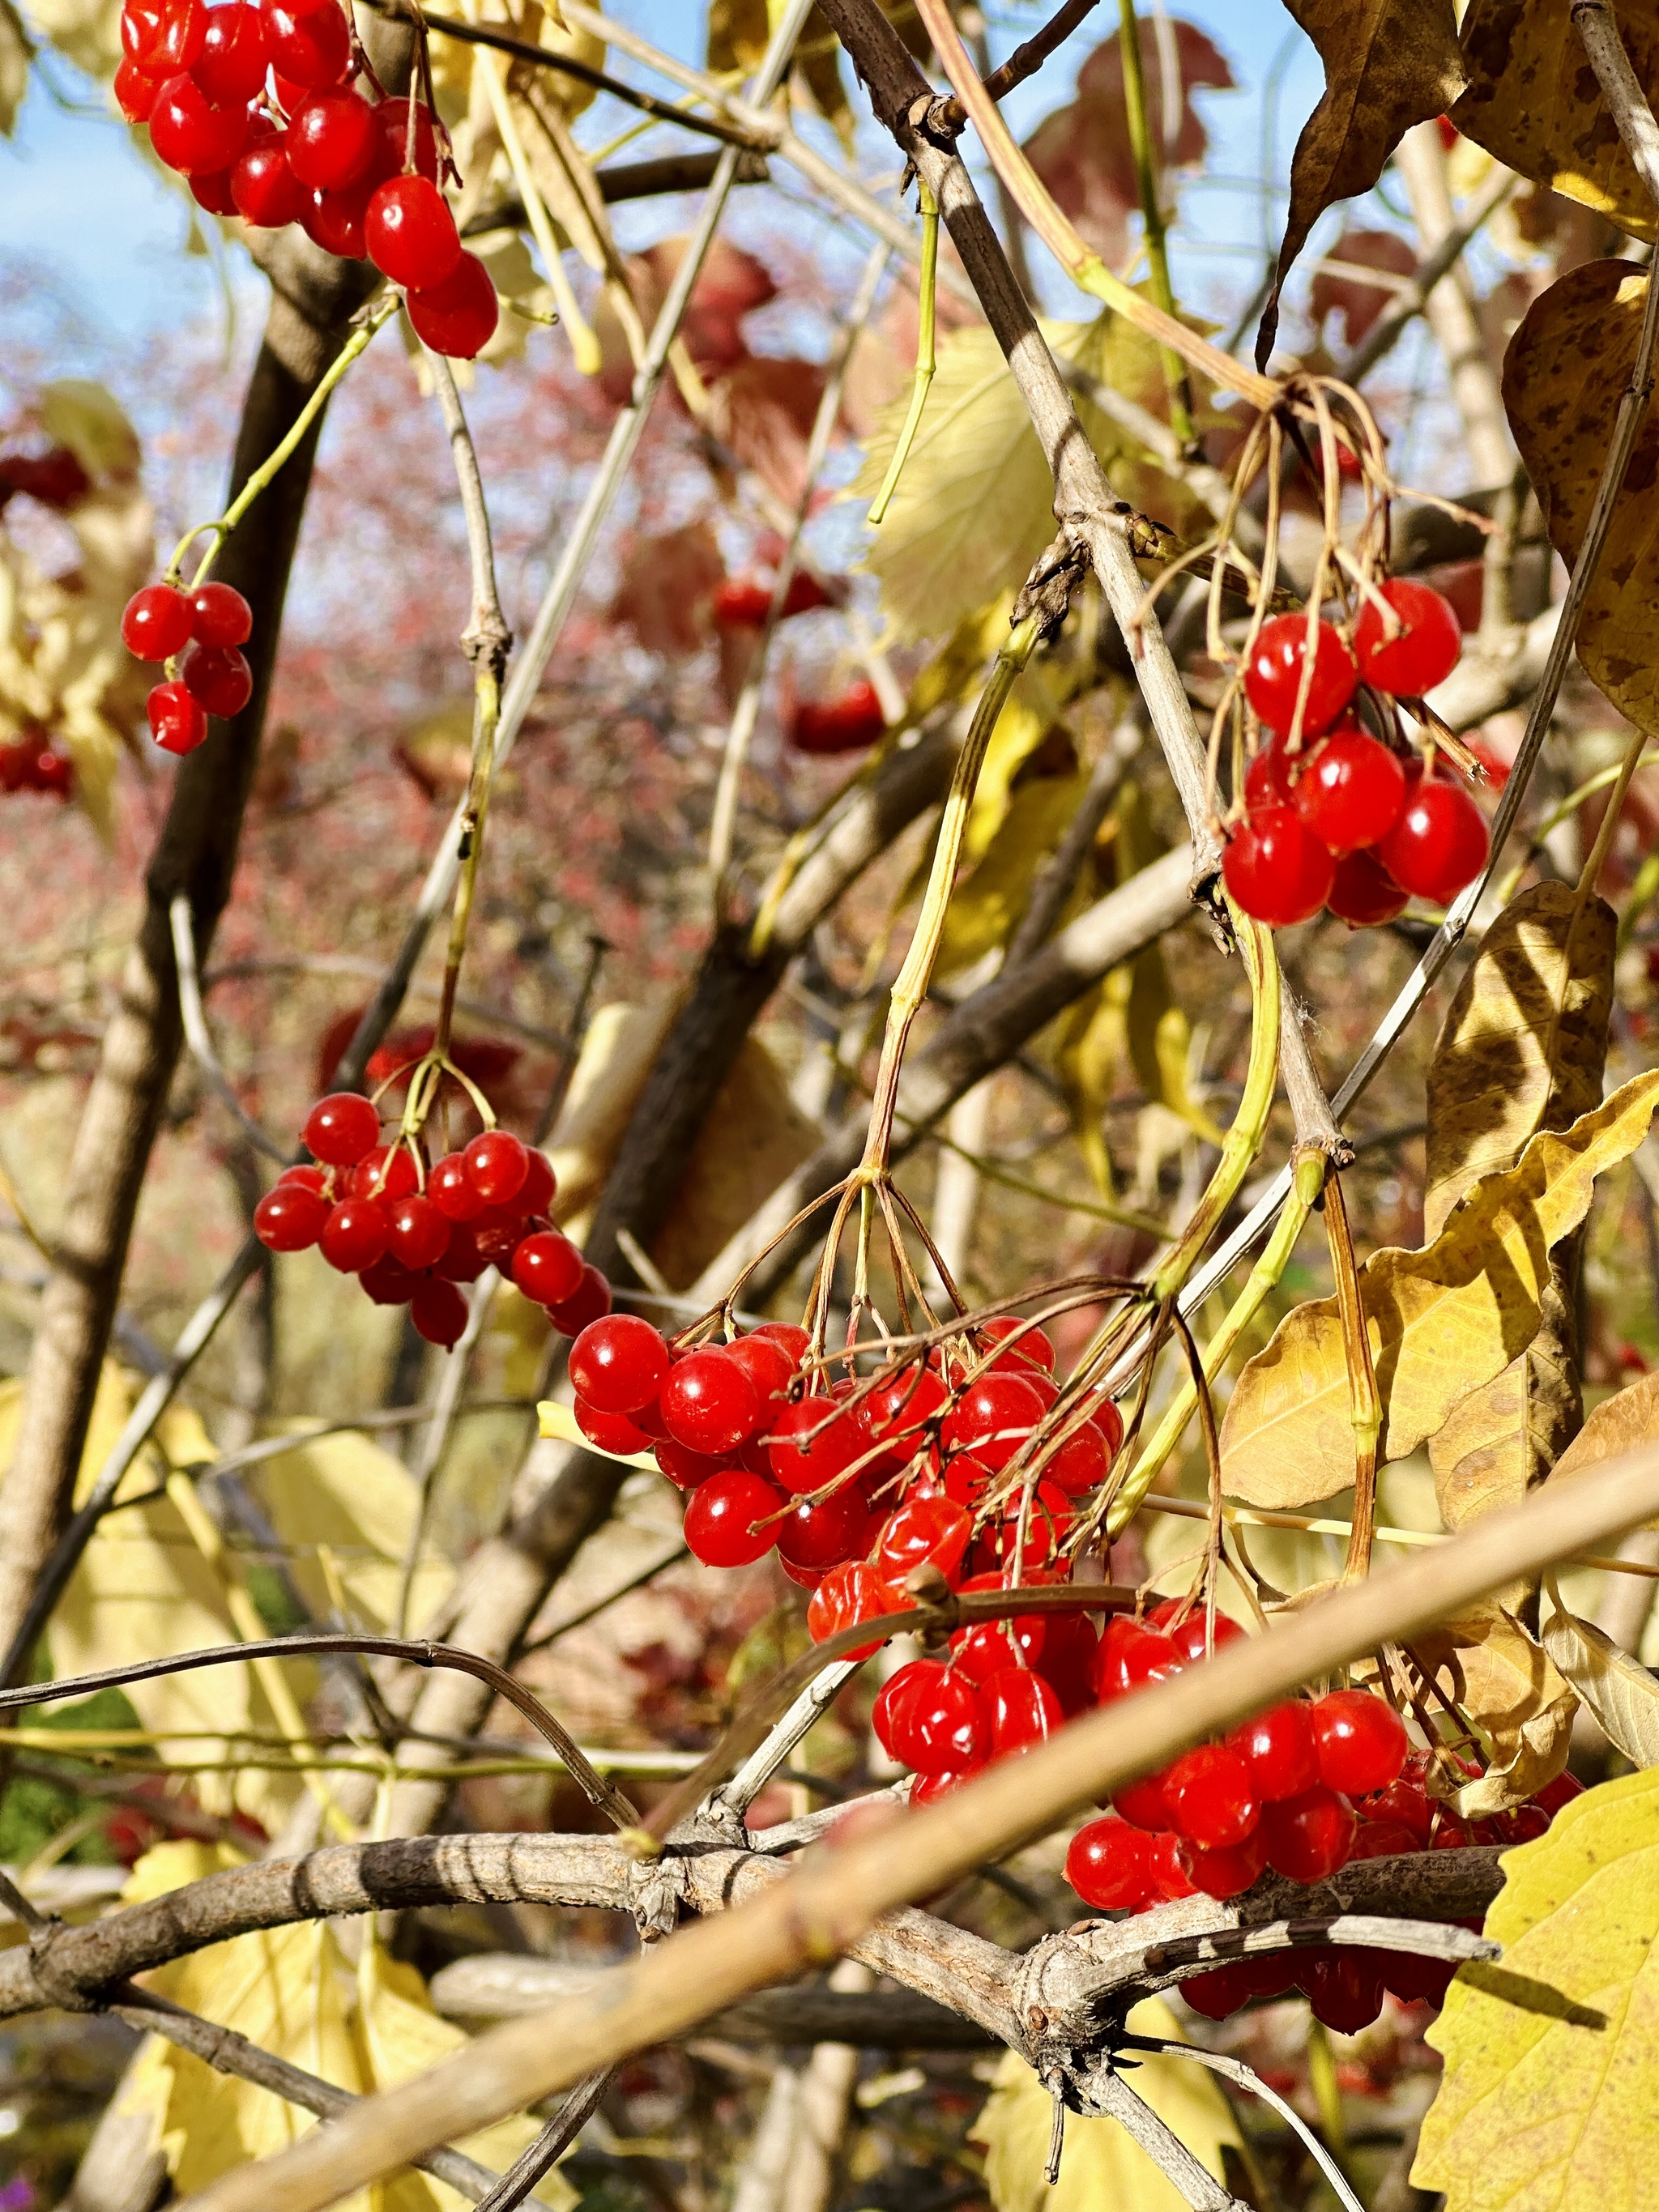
{"points": [[1623, 1422], [1618, 1690], [1388, 64], [1503, 1679]]}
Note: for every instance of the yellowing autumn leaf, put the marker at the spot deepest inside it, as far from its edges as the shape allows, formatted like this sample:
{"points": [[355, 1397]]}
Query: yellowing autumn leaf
{"points": [[1620, 1693], [1623, 1422], [1101, 2169], [342, 1509], [1503, 1679], [1550, 2098], [986, 908], [1441, 1322]]}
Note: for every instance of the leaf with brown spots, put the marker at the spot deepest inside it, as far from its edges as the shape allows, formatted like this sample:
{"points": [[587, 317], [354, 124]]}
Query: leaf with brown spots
{"points": [[1388, 64], [1563, 375], [1534, 102]]}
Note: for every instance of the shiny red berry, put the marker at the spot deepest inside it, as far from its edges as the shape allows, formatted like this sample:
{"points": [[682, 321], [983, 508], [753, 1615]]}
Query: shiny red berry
{"points": [[1220, 1992], [334, 221], [1439, 843], [930, 1531], [355, 1235], [1350, 792], [940, 1726], [537, 1192], [993, 1418], [849, 724], [452, 1191], [1274, 674], [1080, 1463], [266, 192], [612, 1432], [135, 89], [1427, 648], [410, 234], [1384, 1839], [498, 1164], [219, 676], [1344, 1990], [310, 47], [795, 1340], [1171, 1879], [1141, 1803], [416, 1233], [1363, 893], [332, 140], [231, 65], [895, 1415], [819, 1537], [619, 1365], [462, 1261], [155, 622], [1276, 868], [1197, 1635], [1130, 1656], [457, 318], [190, 134], [769, 1368], [392, 116], [1109, 1864], [388, 1283], [720, 1517], [1225, 1873], [1027, 1346], [289, 1219], [1210, 1795], [438, 1312], [812, 1442], [708, 1402], [384, 1172], [1022, 1709], [1362, 1742], [342, 1129], [548, 1268], [1416, 1980], [848, 1593], [143, 22], [591, 1303], [1307, 1838], [219, 615], [1279, 1749]]}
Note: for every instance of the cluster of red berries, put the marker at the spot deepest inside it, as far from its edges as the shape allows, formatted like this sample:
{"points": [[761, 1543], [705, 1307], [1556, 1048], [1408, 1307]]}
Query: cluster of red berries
{"points": [[32, 763], [856, 1483], [744, 602], [255, 105], [412, 1233], [850, 723], [205, 631], [1345, 821]]}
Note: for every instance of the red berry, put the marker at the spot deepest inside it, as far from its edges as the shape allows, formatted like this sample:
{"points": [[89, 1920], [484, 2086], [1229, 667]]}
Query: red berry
{"points": [[769, 1368], [355, 1235], [334, 221], [1028, 1347], [155, 622], [1171, 1879], [498, 1231], [721, 1515], [1048, 1518], [1350, 792], [1227, 1872], [1080, 1463], [924, 1530], [1383, 1840], [439, 1313], [1417, 1980], [1276, 868], [894, 1413], [1427, 648], [548, 1268], [392, 116], [1344, 1989], [940, 1727], [1439, 844], [894, 1693], [498, 1164], [795, 1340], [685, 1469], [289, 1219], [1268, 778], [741, 603], [389, 1283], [1195, 1637], [590, 1303], [1362, 1742], [708, 1402], [462, 1261], [536, 1192], [1068, 1657], [1554, 1794], [1141, 1802], [266, 192], [135, 91], [824, 1536], [1274, 674], [383, 1171], [342, 1129], [1131, 1655], [848, 1593], [141, 25], [219, 615], [1308, 1838], [231, 65], [1279, 1749], [618, 1364], [332, 140], [219, 676], [410, 234], [802, 1460], [183, 33], [849, 723], [416, 1233], [213, 192], [458, 317], [1210, 1796], [190, 134], [992, 1420], [310, 47], [1022, 1709], [612, 1432], [452, 1190], [1363, 893], [1222, 1990], [1110, 1866]]}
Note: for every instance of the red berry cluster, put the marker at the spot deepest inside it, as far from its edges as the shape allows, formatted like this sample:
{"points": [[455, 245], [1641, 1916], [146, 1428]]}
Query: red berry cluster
{"points": [[743, 602], [849, 723], [256, 105], [855, 1483], [32, 762], [205, 630], [1345, 821], [412, 1234], [1302, 1788]]}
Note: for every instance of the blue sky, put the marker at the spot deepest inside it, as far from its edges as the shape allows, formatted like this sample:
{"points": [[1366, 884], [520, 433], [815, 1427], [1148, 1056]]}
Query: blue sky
{"points": [[89, 217]]}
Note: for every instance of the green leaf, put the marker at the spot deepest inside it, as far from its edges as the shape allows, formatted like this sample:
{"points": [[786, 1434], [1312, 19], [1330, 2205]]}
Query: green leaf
{"points": [[1550, 2098], [1441, 1322]]}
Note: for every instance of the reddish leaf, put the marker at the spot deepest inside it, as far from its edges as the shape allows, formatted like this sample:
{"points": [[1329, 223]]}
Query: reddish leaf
{"points": [[666, 584], [730, 285], [763, 410], [1359, 303]]}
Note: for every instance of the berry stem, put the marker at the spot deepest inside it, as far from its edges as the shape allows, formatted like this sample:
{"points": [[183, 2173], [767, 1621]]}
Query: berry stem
{"points": [[1152, 216], [268, 470], [1365, 1405], [925, 359]]}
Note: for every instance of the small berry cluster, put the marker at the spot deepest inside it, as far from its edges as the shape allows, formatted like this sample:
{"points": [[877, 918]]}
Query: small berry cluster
{"points": [[1345, 821], [412, 1234], [32, 763], [256, 105], [1302, 1789], [204, 630], [855, 1484], [849, 724]]}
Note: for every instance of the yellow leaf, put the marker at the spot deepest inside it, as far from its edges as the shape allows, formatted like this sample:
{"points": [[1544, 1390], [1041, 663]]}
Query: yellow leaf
{"points": [[87, 31], [1388, 64], [1620, 1693], [754, 1136], [1550, 2103], [1089, 1050], [1564, 375], [973, 507], [1441, 1322], [1624, 1422], [1534, 102], [1101, 2168], [90, 421], [986, 907], [1507, 1685], [737, 36], [342, 1509], [620, 1044], [15, 51]]}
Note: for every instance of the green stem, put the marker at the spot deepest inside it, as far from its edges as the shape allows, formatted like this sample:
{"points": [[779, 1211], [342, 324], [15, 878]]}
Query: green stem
{"points": [[264, 474], [925, 356], [1151, 213]]}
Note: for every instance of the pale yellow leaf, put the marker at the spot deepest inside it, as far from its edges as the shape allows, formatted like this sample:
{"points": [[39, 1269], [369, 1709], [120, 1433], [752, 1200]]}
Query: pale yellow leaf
{"points": [[343, 1509], [620, 1044], [1624, 1422], [1441, 1321], [754, 1136], [88, 418], [1550, 2098], [87, 31], [1101, 2168], [987, 905], [1620, 1693]]}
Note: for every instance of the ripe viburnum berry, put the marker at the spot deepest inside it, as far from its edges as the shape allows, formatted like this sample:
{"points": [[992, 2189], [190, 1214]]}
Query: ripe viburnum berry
{"points": [[708, 1402], [309, 47], [612, 1432], [1276, 868], [177, 722], [219, 615], [1344, 1989], [334, 221], [547, 1267], [1109, 1864], [1211, 1797], [1279, 1749], [1274, 674], [1362, 1742], [458, 317], [940, 1727], [332, 140], [1439, 843], [848, 1593], [1130, 1656], [815, 1538], [156, 622], [410, 234], [993, 1418], [1363, 893], [355, 1235], [266, 192], [849, 723], [1426, 649], [289, 1219], [438, 1312], [618, 1364], [924, 1530], [1021, 1709], [416, 1233], [497, 1165], [1308, 1837], [589, 1304], [342, 1129], [812, 1442], [190, 134], [219, 676], [720, 1517], [1350, 792], [231, 65]]}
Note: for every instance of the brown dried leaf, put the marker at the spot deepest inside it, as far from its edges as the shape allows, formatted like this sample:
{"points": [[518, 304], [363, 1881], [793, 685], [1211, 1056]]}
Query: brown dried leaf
{"points": [[1334, 293], [666, 585], [1623, 1422], [1441, 1322], [1564, 373], [1504, 1682], [1532, 100], [1501, 1439], [763, 409], [1388, 64]]}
